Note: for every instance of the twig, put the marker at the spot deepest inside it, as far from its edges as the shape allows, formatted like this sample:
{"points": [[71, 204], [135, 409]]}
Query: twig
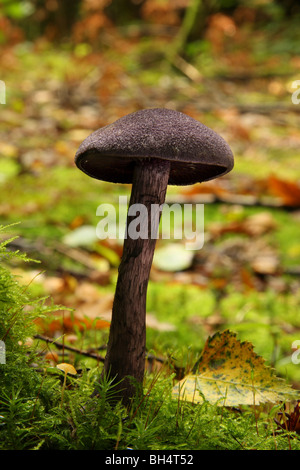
{"points": [[188, 69], [76, 254], [69, 348], [39, 245], [266, 109], [236, 199], [192, 12], [150, 357]]}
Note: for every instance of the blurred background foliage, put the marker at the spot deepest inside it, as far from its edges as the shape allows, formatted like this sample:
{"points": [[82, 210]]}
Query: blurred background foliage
{"points": [[79, 20]]}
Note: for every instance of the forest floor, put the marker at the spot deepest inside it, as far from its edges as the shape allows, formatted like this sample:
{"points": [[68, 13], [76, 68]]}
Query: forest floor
{"points": [[246, 276]]}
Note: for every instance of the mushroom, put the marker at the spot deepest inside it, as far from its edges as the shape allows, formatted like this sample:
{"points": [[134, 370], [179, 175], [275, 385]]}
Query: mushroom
{"points": [[150, 148], [67, 369]]}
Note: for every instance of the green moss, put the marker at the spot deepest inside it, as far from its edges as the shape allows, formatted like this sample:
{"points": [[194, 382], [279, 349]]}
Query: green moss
{"points": [[31, 415]]}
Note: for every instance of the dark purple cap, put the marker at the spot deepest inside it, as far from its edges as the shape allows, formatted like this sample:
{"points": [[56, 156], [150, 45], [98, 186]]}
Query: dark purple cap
{"points": [[196, 152]]}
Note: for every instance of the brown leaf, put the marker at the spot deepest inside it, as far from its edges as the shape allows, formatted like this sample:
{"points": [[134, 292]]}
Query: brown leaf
{"points": [[210, 187], [259, 224], [92, 309], [289, 421], [265, 264], [288, 191], [153, 322], [255, 225], [219, 28]]}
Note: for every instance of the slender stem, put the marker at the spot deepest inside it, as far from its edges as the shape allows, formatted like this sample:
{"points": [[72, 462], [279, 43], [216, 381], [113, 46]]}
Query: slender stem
{"points": [[127, 341], [63, 390]]}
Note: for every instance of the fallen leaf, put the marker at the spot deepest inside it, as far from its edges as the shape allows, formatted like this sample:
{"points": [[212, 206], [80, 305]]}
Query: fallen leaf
{"points": [[288, 191], [91, 309], [173, 257], [52, 357], [153, 322], [265, 264], [289, 421], [254, 225], [219, 28], [230, 373], [259, 224]]}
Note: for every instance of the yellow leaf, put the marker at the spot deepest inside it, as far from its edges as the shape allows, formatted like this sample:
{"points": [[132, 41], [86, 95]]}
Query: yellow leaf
{"points": [[230, 373]]}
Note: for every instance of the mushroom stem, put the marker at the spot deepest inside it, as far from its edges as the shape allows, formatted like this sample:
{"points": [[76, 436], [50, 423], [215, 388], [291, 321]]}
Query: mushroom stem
{"points": [[63, 390], [125, 356]]}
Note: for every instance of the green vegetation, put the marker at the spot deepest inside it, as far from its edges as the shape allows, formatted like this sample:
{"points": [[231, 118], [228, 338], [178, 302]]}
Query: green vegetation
{"points": [[32, 416], [62, 83]]}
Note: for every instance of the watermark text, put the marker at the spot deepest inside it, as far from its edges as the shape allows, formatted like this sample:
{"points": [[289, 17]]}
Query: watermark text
{"points": [[2, 92], [296, 94], [2, 353], [178, 221]]}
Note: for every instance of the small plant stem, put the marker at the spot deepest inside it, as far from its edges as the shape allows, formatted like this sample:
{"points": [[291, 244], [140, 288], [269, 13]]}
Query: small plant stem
{"points": [[63, 390], [287, 429]]}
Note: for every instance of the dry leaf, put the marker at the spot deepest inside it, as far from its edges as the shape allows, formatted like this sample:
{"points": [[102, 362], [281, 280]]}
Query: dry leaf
{"points": [[254, 225], [153, 322], [288, 191], [265, 264], [219, 28], [230, 373], [259, 224], [289, 421]]}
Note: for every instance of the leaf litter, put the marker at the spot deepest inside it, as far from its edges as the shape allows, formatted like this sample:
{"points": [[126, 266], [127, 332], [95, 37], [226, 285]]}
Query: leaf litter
{"points": [[70, 102], [230, 373]]}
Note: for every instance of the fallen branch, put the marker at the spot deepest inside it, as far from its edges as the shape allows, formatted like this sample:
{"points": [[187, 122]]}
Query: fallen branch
{"points": [[69, 348], [242, 200], [58, 345]]}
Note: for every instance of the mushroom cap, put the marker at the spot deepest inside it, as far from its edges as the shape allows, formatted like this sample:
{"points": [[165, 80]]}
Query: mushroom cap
{"points": [[67, 368], [196, 152]]}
